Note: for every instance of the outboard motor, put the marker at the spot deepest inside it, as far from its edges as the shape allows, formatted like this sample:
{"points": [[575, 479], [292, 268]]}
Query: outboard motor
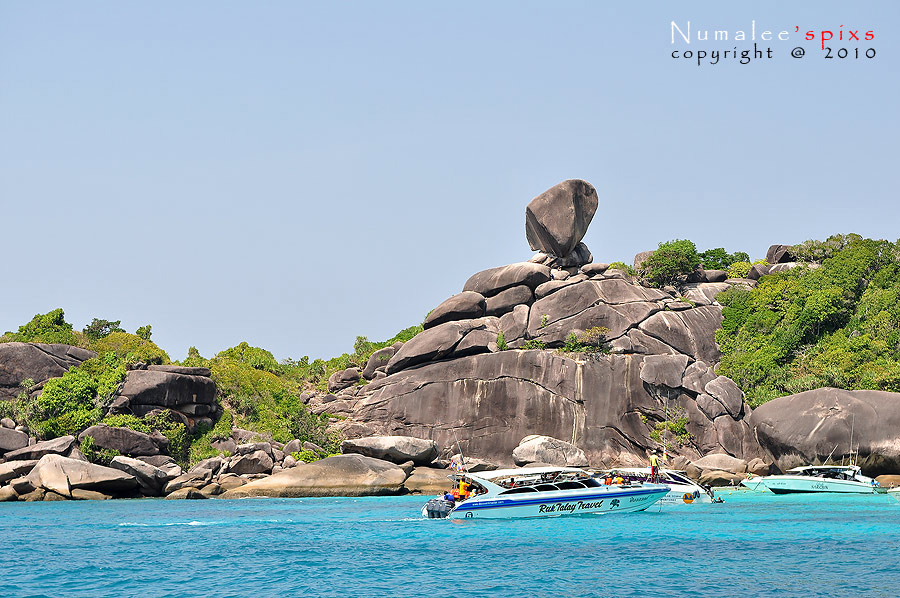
{"points": [[438, 508]]}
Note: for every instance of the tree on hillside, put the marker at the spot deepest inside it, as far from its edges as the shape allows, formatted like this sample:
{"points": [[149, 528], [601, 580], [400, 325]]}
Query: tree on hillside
{"points": [[669, 261], [98, 329]]}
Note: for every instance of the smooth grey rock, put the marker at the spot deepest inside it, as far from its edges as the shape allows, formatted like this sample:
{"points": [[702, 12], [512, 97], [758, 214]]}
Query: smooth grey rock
{"points": [[256, 462], [252, 447], [492, 281], [552, 286], [462, 306], [715, 275], [711, 407], [14, 469], [431, 344], [640, 258], [193, 479], [187, 493], [557, 219], [11, 440], [778, 254], [727, 392], [7, 423], [805, 428], [342, 379], [59, 445], [36, 361], [377, 359], [696, 377], [428, 480], [397, 449], [124, 440], [664, 370], [180, 369], [544, 449], [758, 271], [341, 475], [721, 462], [157, 388], [491, 401], [61, 475], [151, 479], [691, 332], [506, 300], [515, 323], [704, 293]]}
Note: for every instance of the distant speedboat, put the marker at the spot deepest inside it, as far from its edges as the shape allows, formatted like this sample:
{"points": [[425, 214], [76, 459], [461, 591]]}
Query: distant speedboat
{"points": [[822, 478], [541, 492], [682, 489]]}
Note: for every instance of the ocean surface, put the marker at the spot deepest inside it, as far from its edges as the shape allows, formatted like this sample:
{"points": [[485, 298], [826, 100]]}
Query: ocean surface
{"points": [[752, 545]]}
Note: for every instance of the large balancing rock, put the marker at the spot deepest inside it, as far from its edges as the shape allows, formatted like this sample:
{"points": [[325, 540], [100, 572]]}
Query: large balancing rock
{"points": [[557, 219]]}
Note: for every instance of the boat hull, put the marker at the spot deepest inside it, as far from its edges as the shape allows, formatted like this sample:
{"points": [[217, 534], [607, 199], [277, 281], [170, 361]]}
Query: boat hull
{"points": [[555, 504], [895, 493], [805, 484], [685, 495]]}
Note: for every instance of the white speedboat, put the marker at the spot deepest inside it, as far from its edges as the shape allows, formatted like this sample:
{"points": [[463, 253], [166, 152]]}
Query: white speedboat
{"points": [[754, 482], [822, 478], [682, 490], [541, 492]]}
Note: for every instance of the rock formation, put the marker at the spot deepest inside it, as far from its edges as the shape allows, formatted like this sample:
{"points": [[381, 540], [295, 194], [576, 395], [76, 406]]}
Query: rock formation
{"points": [[812, 426], [37, 362], [455, 380], [189, 392]]}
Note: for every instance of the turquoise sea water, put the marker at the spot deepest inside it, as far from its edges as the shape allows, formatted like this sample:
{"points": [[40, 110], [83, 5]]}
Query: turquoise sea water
{"points": [[753, 545]]}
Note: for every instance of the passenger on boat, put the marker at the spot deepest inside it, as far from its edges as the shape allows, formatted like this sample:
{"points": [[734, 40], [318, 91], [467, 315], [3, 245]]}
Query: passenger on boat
{"points": [[618, 480], [448, 496], [654, 466], [609, 479]]}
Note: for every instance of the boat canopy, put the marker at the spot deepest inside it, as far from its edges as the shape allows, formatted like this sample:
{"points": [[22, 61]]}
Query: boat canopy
{"points": [[835, 468], [523, 471]]}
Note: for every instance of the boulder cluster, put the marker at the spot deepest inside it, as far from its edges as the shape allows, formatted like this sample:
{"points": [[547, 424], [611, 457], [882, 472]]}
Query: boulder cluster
{"points": [[58, 469], [484, 370], [188, 392]]}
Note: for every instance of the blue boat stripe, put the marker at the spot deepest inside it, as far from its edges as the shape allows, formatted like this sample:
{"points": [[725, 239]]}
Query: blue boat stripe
{"points": [[548, 500]]}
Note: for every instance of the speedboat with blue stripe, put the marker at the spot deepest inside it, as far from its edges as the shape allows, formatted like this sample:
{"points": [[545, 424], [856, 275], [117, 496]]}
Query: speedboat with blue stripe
{"points": [[541, 492]]}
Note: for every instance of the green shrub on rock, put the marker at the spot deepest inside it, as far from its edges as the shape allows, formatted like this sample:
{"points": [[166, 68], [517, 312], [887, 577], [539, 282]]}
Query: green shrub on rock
{"points": [[131, 348], [671, 260], [98, 329], [501, 341], [719, 259], [739, 269]]}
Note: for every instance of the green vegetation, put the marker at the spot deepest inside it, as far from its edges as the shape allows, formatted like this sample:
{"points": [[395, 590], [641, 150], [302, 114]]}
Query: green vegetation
{"points": [[623, 267], [719, 259], [671, 260], [534, 344], [256, 391], [675, 429], [501, 341], [838, 325], [98, 329], [47, 328], [592, 340], [739, 269]]}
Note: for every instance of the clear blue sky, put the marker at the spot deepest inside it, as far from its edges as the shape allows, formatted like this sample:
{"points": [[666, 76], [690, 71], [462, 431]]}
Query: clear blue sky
{"points": [[295, 174]]}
